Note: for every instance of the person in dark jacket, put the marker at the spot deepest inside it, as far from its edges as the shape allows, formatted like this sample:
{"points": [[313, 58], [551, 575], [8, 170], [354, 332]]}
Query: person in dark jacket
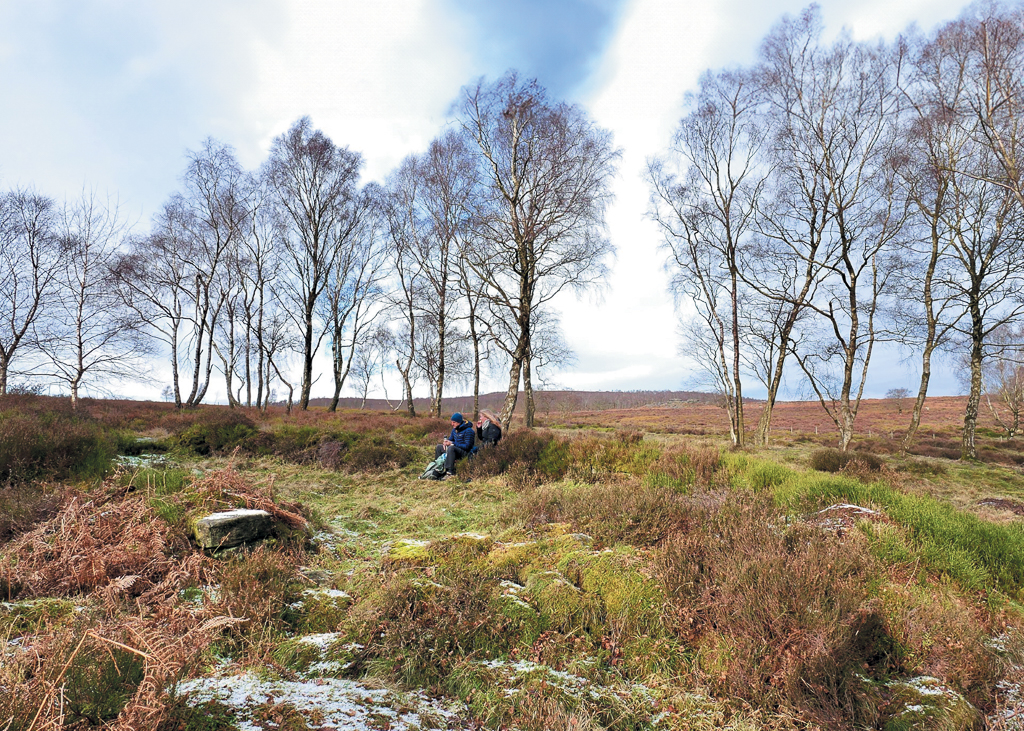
{"points": [[488, 429], [458, 444]]}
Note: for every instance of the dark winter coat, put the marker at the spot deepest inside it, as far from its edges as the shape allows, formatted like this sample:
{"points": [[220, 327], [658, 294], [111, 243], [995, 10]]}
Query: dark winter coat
{"points": [[489, 433], [463, 436]]}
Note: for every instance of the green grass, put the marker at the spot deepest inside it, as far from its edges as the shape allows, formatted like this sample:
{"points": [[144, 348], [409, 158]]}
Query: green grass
{"points": [[978, 554]]}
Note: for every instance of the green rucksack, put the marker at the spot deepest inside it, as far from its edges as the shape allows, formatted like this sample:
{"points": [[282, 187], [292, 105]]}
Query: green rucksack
{"points": [[435, 470]]}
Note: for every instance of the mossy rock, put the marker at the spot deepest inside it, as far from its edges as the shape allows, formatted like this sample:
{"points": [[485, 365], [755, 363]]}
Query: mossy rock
{"points": [[523, 622], [322, 610], [317, 655], [632, 601], [461, 548], [508, 558], [562, 605], [409, 551], [927, 704]]}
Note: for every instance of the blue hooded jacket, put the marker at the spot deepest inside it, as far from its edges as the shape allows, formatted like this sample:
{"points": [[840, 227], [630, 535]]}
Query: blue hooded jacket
{"points": [[463, 436]]}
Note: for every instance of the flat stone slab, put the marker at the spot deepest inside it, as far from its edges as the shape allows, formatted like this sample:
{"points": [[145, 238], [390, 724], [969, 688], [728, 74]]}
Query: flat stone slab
{"points": [[232, 528]]}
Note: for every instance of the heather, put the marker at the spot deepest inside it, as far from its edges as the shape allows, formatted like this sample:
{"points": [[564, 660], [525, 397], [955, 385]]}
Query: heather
{"points": [[604, 577]]}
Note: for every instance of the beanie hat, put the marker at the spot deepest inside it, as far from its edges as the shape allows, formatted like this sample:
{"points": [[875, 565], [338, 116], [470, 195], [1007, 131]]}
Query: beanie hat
{"points": [[457, 417]]}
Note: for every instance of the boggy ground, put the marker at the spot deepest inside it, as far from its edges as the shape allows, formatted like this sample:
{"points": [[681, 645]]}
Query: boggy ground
{"points": [[590, 577]]}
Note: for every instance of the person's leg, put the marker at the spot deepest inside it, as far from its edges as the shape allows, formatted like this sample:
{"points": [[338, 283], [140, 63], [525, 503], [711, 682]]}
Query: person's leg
{"points": [[438, 451], [451, 455]]}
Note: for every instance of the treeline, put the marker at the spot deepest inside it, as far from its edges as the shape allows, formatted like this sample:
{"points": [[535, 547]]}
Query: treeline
{"points": [[836, 195], [246, 275]]}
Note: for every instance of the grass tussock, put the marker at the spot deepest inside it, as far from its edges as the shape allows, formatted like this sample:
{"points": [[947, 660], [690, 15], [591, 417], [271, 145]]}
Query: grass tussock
{"points": [[835, 460], [979, 555], [616, 512]]}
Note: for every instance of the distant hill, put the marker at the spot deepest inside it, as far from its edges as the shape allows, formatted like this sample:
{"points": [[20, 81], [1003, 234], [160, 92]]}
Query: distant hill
{"points": [[547, 401]]}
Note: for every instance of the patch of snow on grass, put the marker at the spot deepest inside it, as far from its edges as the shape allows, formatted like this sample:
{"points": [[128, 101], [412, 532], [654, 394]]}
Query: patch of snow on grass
{"points": [[142, 460], [323, 640], [341, 704]]}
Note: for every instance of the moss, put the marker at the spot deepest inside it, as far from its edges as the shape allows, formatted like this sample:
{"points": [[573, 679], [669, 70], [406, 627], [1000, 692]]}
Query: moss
{"points": [[562, 605], [505, 559], [926, 704], [317, 655], [24, 617], [322, 610], [523, 623], [633, 602], [208, 716], [461, 549], [408, 551]]}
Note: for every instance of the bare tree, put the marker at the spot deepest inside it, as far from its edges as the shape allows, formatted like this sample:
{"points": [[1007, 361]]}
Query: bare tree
{"points": [[315, 185], [29, 262], [398, 207], [706, 211], [257, 261], [987, 276], [445, 201], [176, 280], [369, 361], [988, 44], [933, 84], [472, 293], [899, 395], [833, 110], [1003, 378], [353, 298], [545, 170], [89, 336]]}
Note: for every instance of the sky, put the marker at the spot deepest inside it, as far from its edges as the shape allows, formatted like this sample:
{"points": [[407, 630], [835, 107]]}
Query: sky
{"points": [[109, 95]]}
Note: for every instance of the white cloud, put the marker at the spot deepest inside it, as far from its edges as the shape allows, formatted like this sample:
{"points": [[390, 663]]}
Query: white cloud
{"points": [[377, 77]]}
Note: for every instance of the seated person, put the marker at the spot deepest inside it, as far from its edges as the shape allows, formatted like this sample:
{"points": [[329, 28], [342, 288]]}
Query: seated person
{"points": [[458, 444], [488, 429]]}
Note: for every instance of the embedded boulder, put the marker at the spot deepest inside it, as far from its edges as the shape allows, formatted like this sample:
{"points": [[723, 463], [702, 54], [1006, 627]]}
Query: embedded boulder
{"points": [[232, 528], [927, 704]]}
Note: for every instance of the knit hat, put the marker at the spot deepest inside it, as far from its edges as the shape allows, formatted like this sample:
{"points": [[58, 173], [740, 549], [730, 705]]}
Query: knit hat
{"points": [[457, 417]]}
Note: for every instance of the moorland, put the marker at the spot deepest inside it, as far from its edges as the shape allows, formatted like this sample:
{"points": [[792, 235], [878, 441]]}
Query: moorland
{"points": [[614, 568]]}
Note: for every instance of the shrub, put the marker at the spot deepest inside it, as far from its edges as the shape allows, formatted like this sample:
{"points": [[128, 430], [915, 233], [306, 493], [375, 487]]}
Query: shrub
{"points": [[376, 454], [684, 467], [526, 447], [780, 617], [834, 460], [417, 630], [207, 716], [259, 585], [215, 432], [99, 683], [24, 503], [52, 442]]}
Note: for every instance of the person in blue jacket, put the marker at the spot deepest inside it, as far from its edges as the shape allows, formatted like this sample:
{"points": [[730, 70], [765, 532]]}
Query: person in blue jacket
{"points": [[458, 444]]}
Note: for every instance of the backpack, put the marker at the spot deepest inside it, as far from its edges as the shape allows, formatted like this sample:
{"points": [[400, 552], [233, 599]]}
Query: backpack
{"points": [[435, 470]]}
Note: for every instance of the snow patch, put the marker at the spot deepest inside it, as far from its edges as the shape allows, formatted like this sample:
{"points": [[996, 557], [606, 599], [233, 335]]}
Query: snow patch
{"points": [[342, 704]]}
